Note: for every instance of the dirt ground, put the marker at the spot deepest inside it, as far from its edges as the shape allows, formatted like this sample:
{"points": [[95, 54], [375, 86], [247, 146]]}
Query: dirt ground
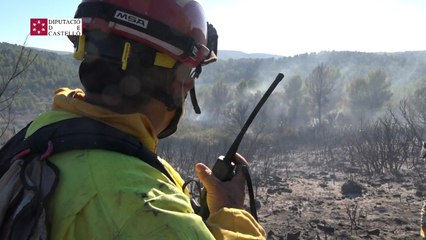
{"points": [[309, 204]]}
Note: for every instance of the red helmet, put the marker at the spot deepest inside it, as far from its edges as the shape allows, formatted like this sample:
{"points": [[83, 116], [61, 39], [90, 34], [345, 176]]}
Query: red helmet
{"points": [[177, 28]]}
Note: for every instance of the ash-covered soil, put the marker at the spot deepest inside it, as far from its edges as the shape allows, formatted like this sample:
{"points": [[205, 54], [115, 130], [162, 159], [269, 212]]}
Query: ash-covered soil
{"points": [[300, 202]]}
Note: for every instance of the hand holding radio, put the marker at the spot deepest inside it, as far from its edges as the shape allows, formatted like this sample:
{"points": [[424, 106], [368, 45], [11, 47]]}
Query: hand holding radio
{"points": [[221, 193]]}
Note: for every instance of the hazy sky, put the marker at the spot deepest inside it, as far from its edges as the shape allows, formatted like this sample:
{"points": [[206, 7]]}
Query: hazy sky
{"points": [[282, 27]]}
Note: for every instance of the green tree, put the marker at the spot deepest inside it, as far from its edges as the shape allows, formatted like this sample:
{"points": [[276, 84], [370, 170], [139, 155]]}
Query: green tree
{"points": [[368, 95], [217, 100], [10, 85], [358, 95], [293, 98], [245, 86], [320, 84]]}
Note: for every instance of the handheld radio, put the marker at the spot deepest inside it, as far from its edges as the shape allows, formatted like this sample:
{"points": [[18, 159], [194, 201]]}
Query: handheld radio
{"points": [[224, 168]]}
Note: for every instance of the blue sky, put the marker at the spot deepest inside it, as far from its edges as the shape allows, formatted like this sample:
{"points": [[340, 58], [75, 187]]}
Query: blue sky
{"points": [[15, 21], [282, 27]]}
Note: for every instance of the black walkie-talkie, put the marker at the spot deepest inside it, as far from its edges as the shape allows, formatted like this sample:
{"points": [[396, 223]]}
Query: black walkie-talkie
{"points": [[224, 168]]}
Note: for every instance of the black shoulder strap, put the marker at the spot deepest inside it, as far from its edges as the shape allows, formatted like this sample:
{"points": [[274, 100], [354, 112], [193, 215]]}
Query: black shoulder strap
{"points": [[10, 147], [86, 133]]}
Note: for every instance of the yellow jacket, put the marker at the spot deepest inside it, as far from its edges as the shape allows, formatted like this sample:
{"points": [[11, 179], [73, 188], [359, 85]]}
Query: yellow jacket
{"points": [[109, 195]]}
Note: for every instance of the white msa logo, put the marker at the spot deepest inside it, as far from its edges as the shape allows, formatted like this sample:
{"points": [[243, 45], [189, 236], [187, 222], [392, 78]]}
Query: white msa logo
{"points": [[131, 19]]}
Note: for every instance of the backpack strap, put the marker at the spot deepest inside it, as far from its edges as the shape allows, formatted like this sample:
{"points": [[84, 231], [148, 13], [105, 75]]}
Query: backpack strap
{"points": [[10, 147], [85, 133]]}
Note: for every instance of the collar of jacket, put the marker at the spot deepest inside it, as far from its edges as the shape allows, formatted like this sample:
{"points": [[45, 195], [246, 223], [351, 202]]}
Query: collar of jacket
{"points": [[135, 124]]}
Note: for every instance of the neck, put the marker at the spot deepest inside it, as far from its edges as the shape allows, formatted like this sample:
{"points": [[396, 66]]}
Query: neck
{"points": [[153, 109]]}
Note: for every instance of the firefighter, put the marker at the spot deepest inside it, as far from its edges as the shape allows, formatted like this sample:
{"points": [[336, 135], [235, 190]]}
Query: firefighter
{"points": [[139, 62]]}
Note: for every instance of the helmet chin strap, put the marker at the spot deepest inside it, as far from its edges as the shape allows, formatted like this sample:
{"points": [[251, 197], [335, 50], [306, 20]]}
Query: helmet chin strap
{"points": [[195, 74], [194, 101]]}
